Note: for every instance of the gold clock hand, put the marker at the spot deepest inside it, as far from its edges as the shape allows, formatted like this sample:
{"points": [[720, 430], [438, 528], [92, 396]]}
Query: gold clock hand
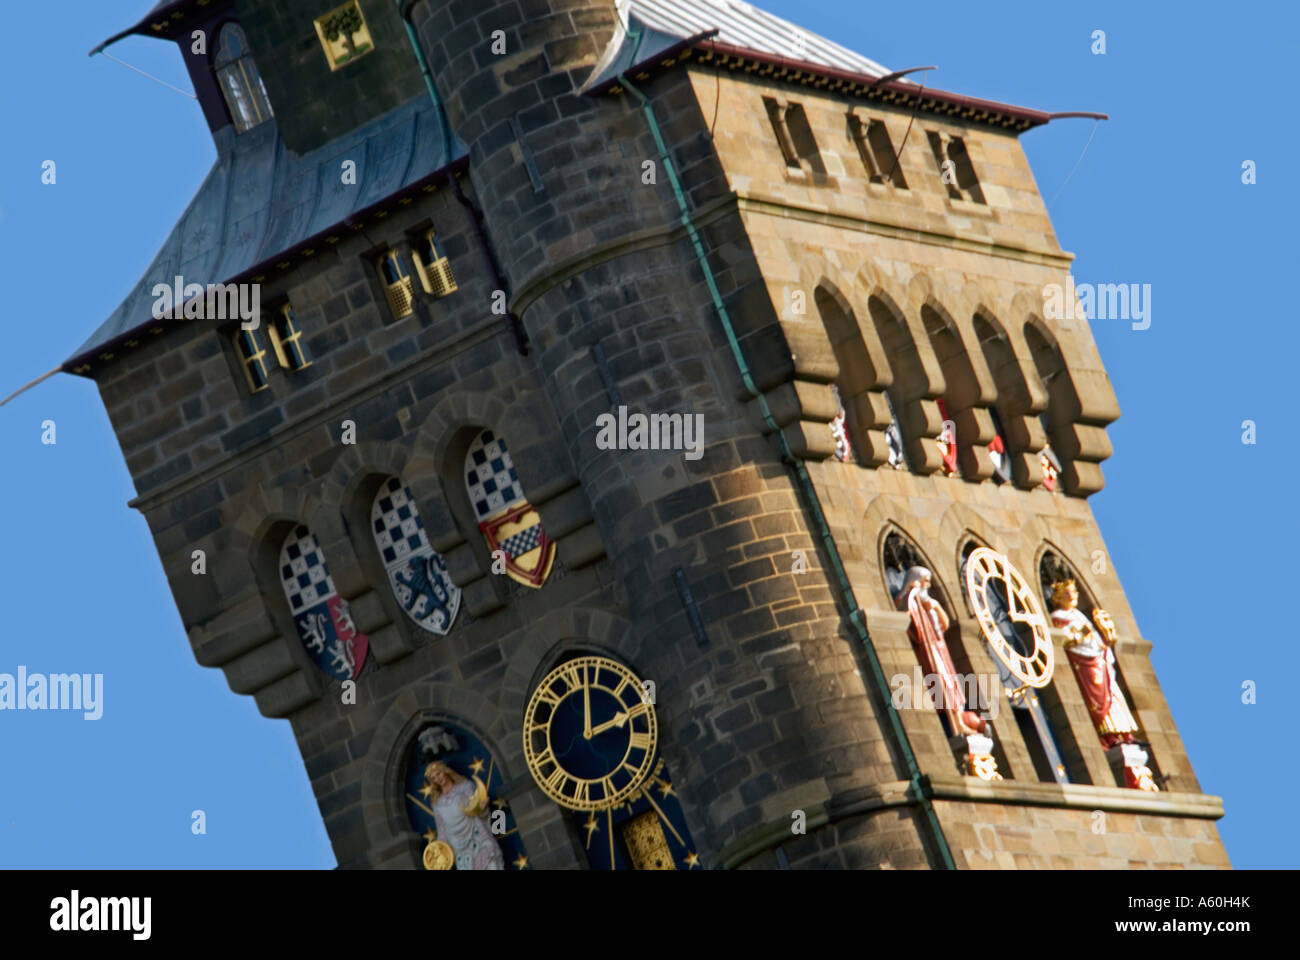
{"points": [[587, 732], [619, 719]]}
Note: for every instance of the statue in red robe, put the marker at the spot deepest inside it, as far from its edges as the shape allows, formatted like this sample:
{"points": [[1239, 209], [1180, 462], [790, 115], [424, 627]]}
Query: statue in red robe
{"points": [[1092, 659], [929, 623]]}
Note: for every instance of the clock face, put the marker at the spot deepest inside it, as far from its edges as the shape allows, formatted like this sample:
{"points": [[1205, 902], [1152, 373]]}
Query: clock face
{"points": [[1010, 617], [590, 734]]}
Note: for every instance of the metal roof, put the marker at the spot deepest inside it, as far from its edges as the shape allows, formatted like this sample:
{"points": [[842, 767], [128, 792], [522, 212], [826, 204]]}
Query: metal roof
{"points": [[261, 199], [650, 27]]}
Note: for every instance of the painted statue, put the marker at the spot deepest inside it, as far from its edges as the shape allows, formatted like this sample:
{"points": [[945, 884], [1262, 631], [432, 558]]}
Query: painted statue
{"points": [[929, 623], [460, 812], [1089, 650]]}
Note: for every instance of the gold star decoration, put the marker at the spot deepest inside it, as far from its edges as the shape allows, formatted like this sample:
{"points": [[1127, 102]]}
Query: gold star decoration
{"points": [[430, 835], [592, 826], [666, 788], [521, 862], [499, 803], [426, 791], [476, 766], [692, 860]]}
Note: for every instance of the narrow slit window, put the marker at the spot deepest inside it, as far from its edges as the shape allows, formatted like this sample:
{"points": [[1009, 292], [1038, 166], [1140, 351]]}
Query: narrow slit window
{"points": [[286, 338], [877, 152], [955, 167], [794, 135], [252, 359], [433, 266], [397, 284]]}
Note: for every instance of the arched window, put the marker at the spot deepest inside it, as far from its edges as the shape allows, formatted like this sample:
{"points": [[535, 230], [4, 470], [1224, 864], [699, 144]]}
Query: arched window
{"points": [[858, 430], [911, 394], [1090, 651], [1038, 732], [509, 523], [454, 804], [1061, 401], [1017, 403], [591, 742], [321, 616], [416, 572], [966, 426], [960, 696], [240, 81]]}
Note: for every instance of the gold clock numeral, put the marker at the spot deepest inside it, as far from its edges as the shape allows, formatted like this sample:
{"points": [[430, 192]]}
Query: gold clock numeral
{"points": [[580, 790], [545, 758], [637, 709], [574, 677], [640, 741], [556, 778], [607, 785], [549, 697]]}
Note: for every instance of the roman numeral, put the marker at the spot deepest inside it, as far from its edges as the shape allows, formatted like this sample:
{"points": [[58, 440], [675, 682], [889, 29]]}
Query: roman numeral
{"points": [[580, 790], [574, 677], [556, 778], [640, 741]]}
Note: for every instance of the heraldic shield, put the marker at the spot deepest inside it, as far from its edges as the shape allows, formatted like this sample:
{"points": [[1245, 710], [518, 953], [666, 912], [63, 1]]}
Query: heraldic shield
{"points": [[509, 522], [416, 571], [321, 616]]}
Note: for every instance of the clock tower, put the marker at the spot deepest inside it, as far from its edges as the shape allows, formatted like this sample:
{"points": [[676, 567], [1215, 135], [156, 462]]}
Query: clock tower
{"points": [[831, 595]]}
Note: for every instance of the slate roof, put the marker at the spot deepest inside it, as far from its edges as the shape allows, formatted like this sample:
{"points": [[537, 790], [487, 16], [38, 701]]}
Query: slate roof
{"points": [[261, 199]]}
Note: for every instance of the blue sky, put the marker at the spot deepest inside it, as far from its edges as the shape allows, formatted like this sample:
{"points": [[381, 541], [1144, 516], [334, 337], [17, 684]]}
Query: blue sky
{"points": [[1196, 522]]}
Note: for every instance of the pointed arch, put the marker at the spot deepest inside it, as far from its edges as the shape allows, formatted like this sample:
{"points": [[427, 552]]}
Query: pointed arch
{"points": [[864, 414], [912, 391], [1019, 401], [972, 426], [1039, 714], [1080, 446]]}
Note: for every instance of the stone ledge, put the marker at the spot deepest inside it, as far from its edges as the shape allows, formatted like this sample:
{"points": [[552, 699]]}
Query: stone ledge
{"points": [[895, 794], [1076, 796]]}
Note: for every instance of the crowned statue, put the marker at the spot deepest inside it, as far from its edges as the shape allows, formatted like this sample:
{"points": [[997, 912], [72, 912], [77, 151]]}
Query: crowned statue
{"points": [[1089, 650], [460, 812]]}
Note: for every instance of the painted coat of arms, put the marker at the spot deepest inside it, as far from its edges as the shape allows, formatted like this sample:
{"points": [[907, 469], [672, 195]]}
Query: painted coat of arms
{"points": [[508, 521], [416, 571], [322, 617]]}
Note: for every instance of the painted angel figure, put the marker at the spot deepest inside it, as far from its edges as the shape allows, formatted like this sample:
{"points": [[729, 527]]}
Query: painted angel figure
{"points": [[929, 623], [1093, 662], [460, 813]]}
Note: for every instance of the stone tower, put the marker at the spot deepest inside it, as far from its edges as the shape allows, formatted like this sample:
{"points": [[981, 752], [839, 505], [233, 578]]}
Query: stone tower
{"points": [[564, 213]]}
